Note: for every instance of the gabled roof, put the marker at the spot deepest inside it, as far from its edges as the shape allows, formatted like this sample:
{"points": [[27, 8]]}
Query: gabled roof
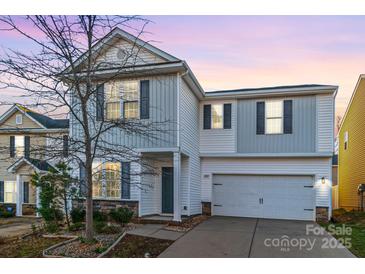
{"points": [[43, 121], [116, 33], [38, 165]]}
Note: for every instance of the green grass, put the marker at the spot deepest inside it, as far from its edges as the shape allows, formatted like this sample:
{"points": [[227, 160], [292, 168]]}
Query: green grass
{"points": [[356, 221]]}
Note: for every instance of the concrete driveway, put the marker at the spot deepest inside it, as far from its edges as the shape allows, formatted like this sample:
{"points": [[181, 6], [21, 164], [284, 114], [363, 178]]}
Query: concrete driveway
{"points": [[231, 237]]}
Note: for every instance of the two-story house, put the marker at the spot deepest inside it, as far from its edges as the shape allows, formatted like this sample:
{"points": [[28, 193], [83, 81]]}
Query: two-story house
{"points": [[263, 152], [24, 138]]}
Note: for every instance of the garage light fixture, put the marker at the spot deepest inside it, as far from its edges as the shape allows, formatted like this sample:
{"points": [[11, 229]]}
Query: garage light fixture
{"points": [[323, 180]]}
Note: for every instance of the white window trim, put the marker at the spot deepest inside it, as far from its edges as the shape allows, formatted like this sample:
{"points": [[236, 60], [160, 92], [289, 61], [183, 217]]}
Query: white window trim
{"points": [[19, 119], [14, 192], [15, 146], [282, 117]]}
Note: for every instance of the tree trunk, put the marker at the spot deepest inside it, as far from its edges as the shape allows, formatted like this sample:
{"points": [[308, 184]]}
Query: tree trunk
{"points": [[89, 197]]}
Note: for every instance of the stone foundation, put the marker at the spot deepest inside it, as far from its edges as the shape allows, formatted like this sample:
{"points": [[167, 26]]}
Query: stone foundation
{"points": [[322, 214], [207, 208], [107, 205], [29, 209]]}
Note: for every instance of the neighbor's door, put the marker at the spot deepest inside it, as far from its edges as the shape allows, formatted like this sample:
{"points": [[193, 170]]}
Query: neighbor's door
{"points": [[167, 190]]}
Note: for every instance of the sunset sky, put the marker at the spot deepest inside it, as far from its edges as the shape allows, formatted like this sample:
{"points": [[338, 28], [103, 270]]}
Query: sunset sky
{"points": [[228, 52]]}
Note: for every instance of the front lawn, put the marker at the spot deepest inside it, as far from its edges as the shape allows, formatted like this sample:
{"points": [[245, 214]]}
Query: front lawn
{"points": [[349, 219], [30, 247]]}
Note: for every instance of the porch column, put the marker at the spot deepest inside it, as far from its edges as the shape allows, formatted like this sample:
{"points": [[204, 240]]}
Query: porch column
{"points": [[37, 200], [19, 195], [177, 202]]}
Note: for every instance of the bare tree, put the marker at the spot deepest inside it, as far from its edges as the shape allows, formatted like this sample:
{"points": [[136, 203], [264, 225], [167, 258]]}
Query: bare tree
{"points": [[338, 123], [59, 83]]}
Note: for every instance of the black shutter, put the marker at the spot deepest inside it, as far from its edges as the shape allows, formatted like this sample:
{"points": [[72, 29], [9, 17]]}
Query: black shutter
{"points": [[26, 192], [207, 116], [65, 146], [288, 116], [126, 179], [26, 146], [1, 191], [145, 99], [12, 146], [100, 103], [260, 118], [82, 175], [227, 114]]}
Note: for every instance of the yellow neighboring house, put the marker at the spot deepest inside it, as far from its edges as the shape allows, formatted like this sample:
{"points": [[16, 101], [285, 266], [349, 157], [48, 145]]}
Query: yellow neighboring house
{"points": [[24, 138], [351, 160]]}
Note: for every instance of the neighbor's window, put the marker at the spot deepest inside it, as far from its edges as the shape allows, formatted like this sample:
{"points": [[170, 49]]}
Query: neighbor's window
{"points": [[112, 179], [112, 101], [346, 140], [19, 119], [9, 192], [130, 97], [19, 146], [274, 117], [217, 116], [106, 180]]}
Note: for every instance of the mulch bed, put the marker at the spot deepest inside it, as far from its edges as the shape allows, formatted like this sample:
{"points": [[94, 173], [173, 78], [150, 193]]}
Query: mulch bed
{"points": [[187, 224], [132, 246], [30, 247]]}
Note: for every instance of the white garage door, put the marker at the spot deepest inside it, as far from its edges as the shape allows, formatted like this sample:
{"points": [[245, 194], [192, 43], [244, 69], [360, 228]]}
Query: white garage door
{"points": [[277, 197]]}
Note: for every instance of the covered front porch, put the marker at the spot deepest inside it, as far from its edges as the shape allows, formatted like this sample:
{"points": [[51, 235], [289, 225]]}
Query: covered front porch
{"points": [[26, 194], [164, 186]]}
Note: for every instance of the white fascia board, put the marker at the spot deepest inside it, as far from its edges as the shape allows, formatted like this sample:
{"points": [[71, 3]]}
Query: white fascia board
{"points": [[34, 130], [270, 93], [266, 155], [12, 111]]}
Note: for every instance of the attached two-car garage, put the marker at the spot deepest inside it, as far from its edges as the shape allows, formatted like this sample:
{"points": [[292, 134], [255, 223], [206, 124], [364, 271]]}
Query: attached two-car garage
{"points": [[264, 196]]}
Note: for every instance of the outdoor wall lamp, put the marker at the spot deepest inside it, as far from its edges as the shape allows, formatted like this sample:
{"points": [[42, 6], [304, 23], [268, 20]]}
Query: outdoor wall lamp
{"points": [[323, 180]]}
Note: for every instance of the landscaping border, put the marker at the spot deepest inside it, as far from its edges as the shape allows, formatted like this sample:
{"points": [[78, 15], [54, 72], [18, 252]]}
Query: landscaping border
{"points": [[113, 245], [44, 253]]}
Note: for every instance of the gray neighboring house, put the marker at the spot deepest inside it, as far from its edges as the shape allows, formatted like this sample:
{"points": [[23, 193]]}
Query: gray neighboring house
{"points": [[262, 152]]}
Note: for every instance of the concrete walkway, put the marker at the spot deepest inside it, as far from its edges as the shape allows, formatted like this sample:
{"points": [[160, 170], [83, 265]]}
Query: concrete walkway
{"points": [[16, 227], [229, 237], [156, 231]]}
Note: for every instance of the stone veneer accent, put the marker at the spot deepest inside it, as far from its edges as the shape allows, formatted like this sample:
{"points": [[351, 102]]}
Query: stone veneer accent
{"points": [[107, 205], [29, 209], [322, 214], [207, 208]]}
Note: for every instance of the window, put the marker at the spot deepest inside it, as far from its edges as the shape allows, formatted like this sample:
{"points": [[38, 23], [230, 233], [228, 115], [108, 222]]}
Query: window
{"points": [[97, 180], [113, 101], [9, 192], [112, 179], [130, 97], [217, 116], [122, 94], [19, 119], [107, 180], [274, 117], [19, 146], [346, 140]]}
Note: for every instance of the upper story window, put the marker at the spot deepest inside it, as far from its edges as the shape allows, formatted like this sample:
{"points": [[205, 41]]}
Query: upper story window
{"points": [[274, 117], [346, 140], [217, 116], [19, 146], [19, 119], [122, 100]]}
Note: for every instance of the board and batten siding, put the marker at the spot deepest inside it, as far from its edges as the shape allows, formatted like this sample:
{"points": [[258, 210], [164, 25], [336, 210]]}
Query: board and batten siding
{"points": [[163, 112], [218, 140], [325, 122], [302, 139], [189, 142], [317, 167]]}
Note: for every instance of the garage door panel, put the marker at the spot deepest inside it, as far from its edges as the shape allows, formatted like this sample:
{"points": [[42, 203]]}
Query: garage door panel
{"points": [[283, 197]]}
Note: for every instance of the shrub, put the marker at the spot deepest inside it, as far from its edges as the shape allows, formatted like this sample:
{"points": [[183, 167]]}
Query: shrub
{"points": [[99, 216], [77, 215], [122, 215], [99, 226], [51, 227], [76, 227]]}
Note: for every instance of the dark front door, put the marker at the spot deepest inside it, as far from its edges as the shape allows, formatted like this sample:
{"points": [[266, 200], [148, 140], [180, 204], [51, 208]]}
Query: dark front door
{"points": [[167, 190]]}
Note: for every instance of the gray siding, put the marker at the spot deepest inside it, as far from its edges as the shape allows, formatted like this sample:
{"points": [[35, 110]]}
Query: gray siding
{"points": [[301, 140], [163, 112]]}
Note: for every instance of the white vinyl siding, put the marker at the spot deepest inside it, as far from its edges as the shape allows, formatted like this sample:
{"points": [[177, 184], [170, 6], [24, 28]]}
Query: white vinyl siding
{"points": [[317, 167], [218, 140], [325, 122]]}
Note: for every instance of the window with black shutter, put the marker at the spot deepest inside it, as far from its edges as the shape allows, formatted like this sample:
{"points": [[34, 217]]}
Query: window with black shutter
{"points": [[65, 146]]}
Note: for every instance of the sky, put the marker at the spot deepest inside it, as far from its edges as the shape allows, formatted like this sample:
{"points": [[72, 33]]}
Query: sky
{"points": [[231, 52]]}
